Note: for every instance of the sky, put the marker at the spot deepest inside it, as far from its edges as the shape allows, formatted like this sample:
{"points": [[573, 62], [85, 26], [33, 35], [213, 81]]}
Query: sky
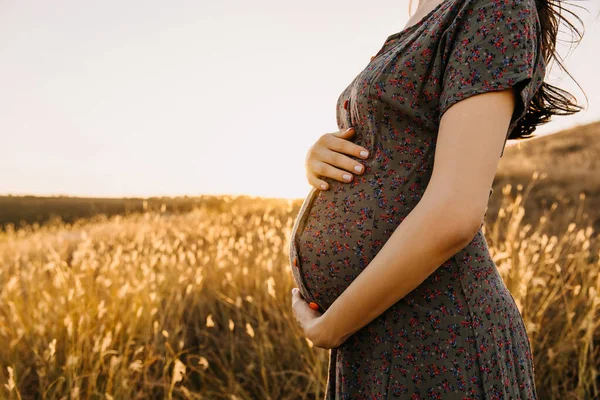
{"points": [[154, 98]]}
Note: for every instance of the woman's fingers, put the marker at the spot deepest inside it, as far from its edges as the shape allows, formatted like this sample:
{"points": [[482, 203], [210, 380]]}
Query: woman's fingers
{"points": [[338, 141], [318, 169], [317, 183], [341, 161]]}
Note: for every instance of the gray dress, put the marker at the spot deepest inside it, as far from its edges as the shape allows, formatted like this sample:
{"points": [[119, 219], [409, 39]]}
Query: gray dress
{"points": [[458, 335]]}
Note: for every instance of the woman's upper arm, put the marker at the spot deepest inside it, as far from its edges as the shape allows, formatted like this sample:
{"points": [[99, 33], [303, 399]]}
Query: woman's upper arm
{"points": [[492, 68], [467, 154]]}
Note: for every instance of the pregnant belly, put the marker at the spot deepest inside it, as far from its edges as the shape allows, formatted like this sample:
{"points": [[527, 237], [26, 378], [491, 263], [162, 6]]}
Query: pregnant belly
{"points": [[331, 243]]}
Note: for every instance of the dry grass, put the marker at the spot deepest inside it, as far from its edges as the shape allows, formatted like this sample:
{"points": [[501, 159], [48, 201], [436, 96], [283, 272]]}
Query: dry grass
{"points": [[197, 305], [569, 161], [555, 280], [153, 306]]}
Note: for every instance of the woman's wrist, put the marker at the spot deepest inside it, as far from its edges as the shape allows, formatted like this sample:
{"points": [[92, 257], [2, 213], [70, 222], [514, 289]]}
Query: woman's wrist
{"points": [[327, 327]]}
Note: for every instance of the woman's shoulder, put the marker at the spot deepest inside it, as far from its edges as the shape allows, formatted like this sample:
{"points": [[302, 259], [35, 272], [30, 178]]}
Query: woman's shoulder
{"points": [[500, 19], [493, 11], [499, 5]]}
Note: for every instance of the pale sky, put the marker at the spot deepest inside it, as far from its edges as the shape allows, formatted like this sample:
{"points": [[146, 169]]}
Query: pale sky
{"points": [[148, 98]]}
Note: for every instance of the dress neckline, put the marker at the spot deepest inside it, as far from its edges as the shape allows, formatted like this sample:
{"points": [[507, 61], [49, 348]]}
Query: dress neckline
{"points": [[418, 23]]}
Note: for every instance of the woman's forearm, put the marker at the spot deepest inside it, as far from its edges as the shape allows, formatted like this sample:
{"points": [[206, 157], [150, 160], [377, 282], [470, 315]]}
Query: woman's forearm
{"points": [[427, 237]]}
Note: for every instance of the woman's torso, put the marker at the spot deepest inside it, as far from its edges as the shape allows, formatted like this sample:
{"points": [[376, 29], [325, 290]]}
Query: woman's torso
{"points": [[393, 104]]}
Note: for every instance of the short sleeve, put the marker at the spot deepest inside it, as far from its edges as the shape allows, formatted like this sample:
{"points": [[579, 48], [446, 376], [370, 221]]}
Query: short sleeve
{"points": [[493, 45]]}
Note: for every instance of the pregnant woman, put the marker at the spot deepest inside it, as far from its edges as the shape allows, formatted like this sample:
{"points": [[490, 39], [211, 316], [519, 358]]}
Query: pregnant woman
{"points": [[394, 274]]}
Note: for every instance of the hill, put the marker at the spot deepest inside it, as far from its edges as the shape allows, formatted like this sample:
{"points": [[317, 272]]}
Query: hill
{"points": [[568, 164]]}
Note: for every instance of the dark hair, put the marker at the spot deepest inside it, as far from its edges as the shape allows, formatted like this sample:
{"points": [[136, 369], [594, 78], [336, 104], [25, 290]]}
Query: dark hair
{"points": [[549, 100]]}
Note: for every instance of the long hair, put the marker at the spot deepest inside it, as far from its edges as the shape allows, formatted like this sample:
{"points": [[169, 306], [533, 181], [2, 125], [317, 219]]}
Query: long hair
{"points": [[549, 100]]}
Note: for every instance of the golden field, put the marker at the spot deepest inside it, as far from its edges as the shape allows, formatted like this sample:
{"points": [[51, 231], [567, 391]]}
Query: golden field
{"points": [[196, 305]]}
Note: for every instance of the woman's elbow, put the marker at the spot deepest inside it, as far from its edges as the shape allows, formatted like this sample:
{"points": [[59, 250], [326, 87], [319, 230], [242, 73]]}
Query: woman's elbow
{"points": [[461, 223], [458, 216], [468, 228]]}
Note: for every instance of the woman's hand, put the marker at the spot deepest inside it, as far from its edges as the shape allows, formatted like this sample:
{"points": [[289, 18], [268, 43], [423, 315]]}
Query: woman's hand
{"points": [[328, 153], [312, 322]]}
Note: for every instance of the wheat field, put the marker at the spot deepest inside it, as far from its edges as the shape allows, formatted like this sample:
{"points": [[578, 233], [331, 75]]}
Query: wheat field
{"points": [[197, 305]]}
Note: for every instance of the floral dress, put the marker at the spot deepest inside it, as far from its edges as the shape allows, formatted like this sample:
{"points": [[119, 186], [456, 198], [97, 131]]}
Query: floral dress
{"points": [[459, 334]]}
